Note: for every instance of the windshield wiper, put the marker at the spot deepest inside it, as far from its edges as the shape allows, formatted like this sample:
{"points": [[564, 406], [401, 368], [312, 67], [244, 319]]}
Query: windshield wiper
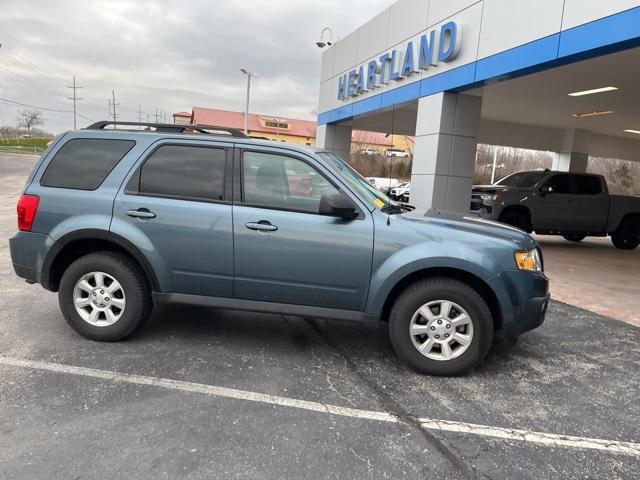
{"points": [[392, 209]]}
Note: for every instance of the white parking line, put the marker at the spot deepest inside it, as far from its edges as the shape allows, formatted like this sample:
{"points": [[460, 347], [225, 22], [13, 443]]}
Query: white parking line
{"points": [[526, 436]]}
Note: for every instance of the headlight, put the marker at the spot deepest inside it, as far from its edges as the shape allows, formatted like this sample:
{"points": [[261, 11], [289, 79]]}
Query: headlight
{"points": [[490, 198], [529, 261]]}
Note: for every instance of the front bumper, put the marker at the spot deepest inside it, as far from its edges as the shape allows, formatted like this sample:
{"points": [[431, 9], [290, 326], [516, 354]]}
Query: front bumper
{"points": [[524, 298]]}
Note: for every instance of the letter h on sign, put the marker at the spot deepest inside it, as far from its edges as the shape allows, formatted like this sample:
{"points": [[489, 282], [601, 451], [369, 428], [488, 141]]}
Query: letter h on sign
{"points": [[342, 85]]}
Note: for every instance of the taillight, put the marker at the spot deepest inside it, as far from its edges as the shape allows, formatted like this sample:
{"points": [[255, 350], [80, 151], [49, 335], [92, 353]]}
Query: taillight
{"points": [[27, 208]]}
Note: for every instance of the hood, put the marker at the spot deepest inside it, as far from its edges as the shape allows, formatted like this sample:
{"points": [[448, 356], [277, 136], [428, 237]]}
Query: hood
{"points": [[474, 225], [489, 188]]}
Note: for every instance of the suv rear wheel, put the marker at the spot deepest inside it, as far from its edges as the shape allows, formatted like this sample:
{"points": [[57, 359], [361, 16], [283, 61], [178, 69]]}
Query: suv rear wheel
{"points": [[441, 326], [104, 296]]}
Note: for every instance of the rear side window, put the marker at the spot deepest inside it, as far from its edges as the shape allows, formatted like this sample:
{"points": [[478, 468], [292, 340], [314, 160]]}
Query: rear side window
{"points": [[184, 172], [588, 185], [84, 163]]}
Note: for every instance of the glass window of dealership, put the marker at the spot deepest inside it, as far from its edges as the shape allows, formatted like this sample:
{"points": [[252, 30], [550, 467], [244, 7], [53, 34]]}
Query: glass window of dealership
{"points": [[556, 75]]}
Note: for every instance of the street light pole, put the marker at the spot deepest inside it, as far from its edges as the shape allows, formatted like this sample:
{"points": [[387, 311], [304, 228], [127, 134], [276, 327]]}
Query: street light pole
{"points": [[246, 111], [494, 166]]}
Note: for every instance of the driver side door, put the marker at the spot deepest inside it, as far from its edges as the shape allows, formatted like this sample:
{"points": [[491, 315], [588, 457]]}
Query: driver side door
{"points": [[551, 212], [284, 250]]}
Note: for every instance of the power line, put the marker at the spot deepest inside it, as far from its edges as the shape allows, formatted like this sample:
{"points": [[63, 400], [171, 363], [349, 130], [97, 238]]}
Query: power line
{"points": [[28, 65], [75, 99], [14, 103]]}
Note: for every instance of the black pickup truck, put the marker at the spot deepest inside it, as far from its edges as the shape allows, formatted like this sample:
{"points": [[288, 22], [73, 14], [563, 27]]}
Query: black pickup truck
{"points": [[574, 205]]}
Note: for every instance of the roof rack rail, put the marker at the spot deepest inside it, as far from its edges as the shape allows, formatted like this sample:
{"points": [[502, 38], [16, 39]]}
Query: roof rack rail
{"points": [[172, 128]]}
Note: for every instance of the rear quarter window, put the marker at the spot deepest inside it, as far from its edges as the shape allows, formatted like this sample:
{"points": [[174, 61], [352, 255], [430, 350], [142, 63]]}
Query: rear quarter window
{"points": [[84, 163], [588, 185]]}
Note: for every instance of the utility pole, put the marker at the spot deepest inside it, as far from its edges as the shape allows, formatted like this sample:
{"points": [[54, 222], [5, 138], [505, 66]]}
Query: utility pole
{"points": [[113, 104], [139, 113], [156, 115], [75, 99], [246, 110]]}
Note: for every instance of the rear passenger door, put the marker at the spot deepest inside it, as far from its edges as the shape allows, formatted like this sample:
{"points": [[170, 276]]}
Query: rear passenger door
{"points": [[175, 206], [590, 204]]}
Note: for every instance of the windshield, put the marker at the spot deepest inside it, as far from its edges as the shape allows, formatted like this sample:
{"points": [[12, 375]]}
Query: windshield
{"points": [[522, 179], [373, 196]]}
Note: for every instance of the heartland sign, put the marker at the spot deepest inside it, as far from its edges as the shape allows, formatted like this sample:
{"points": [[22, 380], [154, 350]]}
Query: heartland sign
{"points": [[392, 67]]}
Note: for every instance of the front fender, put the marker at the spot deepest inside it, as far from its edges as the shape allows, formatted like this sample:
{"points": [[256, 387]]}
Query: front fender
{"points": [[423, 256]]}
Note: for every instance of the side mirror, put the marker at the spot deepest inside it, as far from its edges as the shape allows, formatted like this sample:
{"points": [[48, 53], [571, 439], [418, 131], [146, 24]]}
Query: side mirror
{"points": [[545, 189], [338, 205]]}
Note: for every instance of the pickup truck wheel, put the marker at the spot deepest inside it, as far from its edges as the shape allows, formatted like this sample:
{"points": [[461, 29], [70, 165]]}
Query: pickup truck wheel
{"points": [[104, 296], [574, 237], [627, 235], [516, 219], [441, 326]]}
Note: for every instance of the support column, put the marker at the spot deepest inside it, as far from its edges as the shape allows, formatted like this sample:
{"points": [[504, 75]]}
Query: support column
{"points": [[335, 138], [572, 156], [445, 151], [571, 162]]}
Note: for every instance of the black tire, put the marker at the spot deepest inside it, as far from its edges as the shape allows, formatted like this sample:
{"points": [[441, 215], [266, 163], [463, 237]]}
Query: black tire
{"points": [[440, 288], [574, 237], [134, 284], [627, 235], [516, 219]]}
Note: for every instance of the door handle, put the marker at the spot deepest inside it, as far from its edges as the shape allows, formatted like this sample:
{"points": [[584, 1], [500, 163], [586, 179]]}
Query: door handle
{"points": [[261, 226], [141, 213]]}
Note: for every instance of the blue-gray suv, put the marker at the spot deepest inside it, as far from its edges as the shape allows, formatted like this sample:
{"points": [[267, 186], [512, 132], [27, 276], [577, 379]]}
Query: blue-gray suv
{"points": [[118, 219]]}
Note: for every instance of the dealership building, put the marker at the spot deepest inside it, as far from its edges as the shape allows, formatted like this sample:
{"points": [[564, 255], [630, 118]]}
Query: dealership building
{"points": [[554, 75]]}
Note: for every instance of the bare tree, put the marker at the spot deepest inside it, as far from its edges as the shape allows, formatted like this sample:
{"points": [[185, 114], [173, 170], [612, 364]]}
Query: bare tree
{"points": [[29, 119]]}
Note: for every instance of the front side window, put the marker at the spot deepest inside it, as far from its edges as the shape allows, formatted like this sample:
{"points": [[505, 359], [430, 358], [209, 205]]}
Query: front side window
{"points": [[278, 181], [560, 183], [588, 185], [522, 179], [187, 172], [84, 163], [351, 177]]}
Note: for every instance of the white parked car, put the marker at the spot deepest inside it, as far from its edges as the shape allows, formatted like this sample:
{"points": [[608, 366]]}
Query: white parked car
{"points": [[396, 152], [400, 192], [382, 184], [368, 151]]}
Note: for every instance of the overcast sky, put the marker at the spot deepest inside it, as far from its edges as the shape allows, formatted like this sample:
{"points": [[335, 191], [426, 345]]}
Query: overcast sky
{"points": [[173, 55]]}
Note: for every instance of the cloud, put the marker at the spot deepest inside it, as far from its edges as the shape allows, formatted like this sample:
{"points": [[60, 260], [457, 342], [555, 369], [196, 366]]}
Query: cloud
{"points": [[170, 55]]}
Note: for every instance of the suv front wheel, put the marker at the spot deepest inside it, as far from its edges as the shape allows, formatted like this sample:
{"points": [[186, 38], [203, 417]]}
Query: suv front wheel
{"points": [[441, 326], [104, 296]]}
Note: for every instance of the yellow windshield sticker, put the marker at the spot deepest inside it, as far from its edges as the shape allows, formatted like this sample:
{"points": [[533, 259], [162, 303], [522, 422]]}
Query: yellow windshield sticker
{"points": [[378, 203]]}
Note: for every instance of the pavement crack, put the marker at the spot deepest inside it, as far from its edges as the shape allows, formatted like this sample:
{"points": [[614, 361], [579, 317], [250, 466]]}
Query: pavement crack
{"points": [[394, 408]]}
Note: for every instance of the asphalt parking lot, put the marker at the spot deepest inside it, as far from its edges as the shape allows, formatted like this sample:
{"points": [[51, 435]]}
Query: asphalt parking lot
{"points": [[203, 393]]}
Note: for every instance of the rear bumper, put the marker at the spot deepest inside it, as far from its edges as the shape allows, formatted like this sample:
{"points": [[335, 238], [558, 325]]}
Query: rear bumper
{"points": [[524, 298], [28, 250]]}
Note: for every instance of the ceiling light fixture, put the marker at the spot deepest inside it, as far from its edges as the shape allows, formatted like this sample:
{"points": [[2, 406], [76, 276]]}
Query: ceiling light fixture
{"points": [[637, 132], [591, 114], [591, 92]]}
